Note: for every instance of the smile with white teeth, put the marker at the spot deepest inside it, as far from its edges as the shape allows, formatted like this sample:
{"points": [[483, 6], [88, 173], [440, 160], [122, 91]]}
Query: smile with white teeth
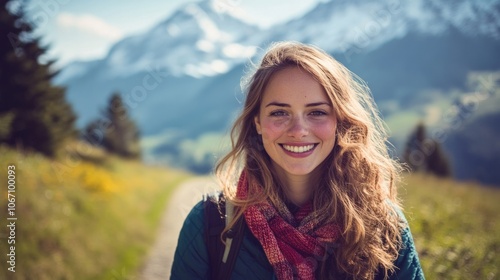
{"points": [[298, 149]]}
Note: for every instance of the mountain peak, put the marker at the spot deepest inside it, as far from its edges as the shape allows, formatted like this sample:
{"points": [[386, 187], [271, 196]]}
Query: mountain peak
{"points": [[341, 26], [199, 39], [207, 38]]}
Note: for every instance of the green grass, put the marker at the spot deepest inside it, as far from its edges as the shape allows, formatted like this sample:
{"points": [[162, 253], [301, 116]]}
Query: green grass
{"points": [[455, 227], [83, 219]]}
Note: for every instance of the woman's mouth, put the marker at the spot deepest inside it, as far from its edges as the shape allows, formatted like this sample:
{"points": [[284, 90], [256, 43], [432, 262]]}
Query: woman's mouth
{"points": [[298, 149]]}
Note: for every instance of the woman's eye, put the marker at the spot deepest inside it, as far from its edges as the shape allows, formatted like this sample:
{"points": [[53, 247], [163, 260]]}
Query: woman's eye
{"points": [[278, 113], [317, 113]]}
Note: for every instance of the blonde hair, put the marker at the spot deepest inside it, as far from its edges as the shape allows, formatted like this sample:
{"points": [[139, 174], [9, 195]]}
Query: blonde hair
{"points": [[358, 186]]}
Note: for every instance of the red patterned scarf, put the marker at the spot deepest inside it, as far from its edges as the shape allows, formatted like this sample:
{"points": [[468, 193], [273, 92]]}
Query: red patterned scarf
{"points": [[293, 243]]}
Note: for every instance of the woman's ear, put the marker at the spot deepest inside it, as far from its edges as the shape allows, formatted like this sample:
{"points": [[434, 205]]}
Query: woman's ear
{"points": [[257, 124]]}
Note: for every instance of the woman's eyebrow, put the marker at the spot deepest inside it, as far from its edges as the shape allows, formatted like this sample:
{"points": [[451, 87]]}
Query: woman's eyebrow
{"points": [[278, 104], [318, 104]]}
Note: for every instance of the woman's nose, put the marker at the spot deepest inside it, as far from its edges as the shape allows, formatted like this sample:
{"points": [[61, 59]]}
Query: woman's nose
{"points": [[298, 128]]}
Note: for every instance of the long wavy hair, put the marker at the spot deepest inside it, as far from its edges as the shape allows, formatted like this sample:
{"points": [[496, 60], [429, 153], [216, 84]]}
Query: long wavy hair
{"points": [[358, 186]]}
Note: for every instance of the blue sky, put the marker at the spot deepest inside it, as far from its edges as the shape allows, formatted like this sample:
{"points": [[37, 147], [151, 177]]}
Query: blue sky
{"points": [[77, 29]]}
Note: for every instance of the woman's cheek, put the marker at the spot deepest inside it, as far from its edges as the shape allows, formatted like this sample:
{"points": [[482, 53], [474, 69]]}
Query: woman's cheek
{"points": [[273, 127], [326, 129]]}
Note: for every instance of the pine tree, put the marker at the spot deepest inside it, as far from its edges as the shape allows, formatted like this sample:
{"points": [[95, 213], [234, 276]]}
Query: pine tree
{"points": [[33, 112], [424, 154], [438, 163], [115, 131], [415, 154]]}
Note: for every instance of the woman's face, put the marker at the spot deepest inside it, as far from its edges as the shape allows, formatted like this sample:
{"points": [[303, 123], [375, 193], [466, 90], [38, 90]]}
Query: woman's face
{"points": [[297, 122]]}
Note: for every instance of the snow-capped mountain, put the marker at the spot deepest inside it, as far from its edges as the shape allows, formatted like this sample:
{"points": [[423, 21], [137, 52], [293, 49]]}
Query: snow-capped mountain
{"points": [[340, 26], [201, 40], [198, 40], [193, 62], [195, 41]]}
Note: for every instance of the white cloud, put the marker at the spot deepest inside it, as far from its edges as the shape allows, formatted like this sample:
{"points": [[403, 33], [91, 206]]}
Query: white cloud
{"points": [[89, 24], [236, 51]]}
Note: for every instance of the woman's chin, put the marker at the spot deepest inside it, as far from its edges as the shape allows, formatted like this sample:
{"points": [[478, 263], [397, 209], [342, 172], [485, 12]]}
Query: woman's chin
{"points": [[299, 170]]}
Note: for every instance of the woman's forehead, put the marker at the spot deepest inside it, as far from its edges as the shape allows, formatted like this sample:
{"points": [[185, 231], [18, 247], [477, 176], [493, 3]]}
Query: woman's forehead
{"points": [[294, 84]]}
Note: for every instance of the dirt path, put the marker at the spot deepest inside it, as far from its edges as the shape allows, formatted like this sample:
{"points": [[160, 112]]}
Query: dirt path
{"points": [[184, 198]]}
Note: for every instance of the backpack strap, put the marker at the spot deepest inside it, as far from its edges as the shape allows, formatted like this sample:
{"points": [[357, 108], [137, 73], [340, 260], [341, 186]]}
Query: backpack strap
{"points": [[221, 257], [214, 225]]}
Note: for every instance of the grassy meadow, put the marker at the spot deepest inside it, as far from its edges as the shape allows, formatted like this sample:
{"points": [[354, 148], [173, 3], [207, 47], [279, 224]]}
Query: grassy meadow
{"points": [[87, 215], [455, 227]]}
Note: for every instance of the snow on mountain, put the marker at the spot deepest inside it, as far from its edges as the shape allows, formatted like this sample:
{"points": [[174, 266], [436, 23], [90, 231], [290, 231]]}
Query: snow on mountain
{"points": [[202, 39], [471, 17], [341, 26], [198, 40]]}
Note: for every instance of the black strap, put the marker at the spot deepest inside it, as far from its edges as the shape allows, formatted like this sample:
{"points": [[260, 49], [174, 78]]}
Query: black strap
{"points": [[237, 231], [214, 225]]}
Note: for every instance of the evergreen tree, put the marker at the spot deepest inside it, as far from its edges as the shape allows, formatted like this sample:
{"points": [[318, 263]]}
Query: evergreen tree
{"points": [[415, 155], [115, 131], [425, 154], [94, 132], [438, 163], [33, 112]]}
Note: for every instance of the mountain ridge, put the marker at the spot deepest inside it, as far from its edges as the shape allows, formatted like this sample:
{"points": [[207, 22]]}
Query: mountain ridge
{"points": [[222, 41], [399, 62]]}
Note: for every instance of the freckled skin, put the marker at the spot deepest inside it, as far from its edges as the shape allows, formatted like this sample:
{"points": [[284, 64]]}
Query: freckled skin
{"points": [[296, 111]]}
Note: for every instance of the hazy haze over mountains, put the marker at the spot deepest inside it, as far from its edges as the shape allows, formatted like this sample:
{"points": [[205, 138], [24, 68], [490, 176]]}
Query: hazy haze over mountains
{"points": [[181, 79]]}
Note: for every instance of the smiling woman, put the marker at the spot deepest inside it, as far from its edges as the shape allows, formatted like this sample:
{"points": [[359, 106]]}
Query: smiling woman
{"points": [[309, 185], [297, 124]]}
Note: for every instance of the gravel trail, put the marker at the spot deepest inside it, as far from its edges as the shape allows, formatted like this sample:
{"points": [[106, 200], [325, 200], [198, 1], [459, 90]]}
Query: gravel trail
{"points": [[183, 199]]}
